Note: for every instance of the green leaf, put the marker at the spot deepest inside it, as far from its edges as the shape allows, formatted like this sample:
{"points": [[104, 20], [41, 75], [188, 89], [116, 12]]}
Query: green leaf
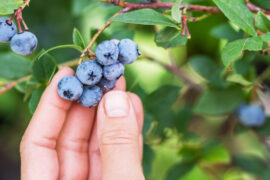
{"points": [[179, 170], [77, 38], [148, 157], [176, 12], [238, 13], [251, 164], [219, 101], [213, 153], [170, 37], [225, 31], [44, 68], [233, 50], [13, 66], [8, 6], [33, 103], [262, 22], [203, 65], [266, 37], [61, 47], [145, 17]]}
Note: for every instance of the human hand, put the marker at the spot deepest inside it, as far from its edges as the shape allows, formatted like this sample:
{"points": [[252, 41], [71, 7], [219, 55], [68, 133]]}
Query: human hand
{"points": [[65, 140]]}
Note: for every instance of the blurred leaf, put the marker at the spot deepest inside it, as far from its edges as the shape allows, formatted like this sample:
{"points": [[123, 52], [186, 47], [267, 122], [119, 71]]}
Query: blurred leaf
{"points": [[44, 67], [225, 31], [251, 164], [13, 66], [21, 87], [77, 38], [170, 37], [123, 34], [176, 12], [236, 78], [238, 13], [262, 3], [33, 103], [234, 49], [179, 170], [213, 153], [157, 102], [266, 37], [148, 120], [203, 65], [181, 120], [31, 85], [60, 47], [145, 17], [8, 6], [262, 22], [219, 101], [148, 157], [266, 174]]}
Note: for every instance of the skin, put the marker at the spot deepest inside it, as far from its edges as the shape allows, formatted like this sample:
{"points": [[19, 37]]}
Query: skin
{"points": [[67, 141]]}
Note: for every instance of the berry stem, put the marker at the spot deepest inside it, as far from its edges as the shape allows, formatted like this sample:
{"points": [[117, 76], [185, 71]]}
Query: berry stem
{"points": [[96, 35]]}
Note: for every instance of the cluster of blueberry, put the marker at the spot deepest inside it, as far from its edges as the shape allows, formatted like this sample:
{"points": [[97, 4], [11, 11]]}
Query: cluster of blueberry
{"points": [[94, 77], [251, 115], [23, 43]]}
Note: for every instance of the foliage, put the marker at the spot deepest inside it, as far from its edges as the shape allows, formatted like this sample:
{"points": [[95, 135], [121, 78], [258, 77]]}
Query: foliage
{"points": [[190, 88]]}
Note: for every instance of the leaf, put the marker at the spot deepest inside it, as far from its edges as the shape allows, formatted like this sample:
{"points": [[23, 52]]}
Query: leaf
{"points": [[13, 66], [170, 37], [262, 22], [44, 68], [145, 17], [8, 6], [33, 103], [148, 157], [61, 47], [203, 65], [77, 38], [179, 170], [219, 101], [213, 153], [234, 49], [251, 164], [238, 13], [167, 34], [225, 31], [176, 12], [266, 37]]}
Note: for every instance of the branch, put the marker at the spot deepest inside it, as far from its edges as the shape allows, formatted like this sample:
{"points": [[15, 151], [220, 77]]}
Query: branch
{"points": [[178, 72], [99, 31], [12, 84], [189, 7]]}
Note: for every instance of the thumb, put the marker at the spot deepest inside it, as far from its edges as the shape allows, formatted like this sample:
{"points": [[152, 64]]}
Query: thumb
{"points": [[118, 136]]}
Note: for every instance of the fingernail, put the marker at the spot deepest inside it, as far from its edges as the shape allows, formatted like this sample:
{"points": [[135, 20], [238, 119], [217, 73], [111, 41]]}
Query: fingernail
{"points": [[116, 104]]}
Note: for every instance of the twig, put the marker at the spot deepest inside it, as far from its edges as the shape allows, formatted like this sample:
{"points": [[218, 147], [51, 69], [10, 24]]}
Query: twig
{"points": [[175, 70], [12, 84], [99, 31], [189, 7]]}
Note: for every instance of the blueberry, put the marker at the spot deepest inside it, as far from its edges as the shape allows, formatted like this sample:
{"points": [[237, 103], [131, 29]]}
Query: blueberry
{"points": [[89, 72], [106, 85], [115, 41], [107, 53], [24, 43], [7, 31], [91, 96], [70, 88], [252, 115], [128, 51], [114, 71]]}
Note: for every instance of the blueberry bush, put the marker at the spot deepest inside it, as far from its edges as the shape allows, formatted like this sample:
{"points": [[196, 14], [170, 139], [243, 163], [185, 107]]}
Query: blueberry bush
{"points": [[202, 71]]}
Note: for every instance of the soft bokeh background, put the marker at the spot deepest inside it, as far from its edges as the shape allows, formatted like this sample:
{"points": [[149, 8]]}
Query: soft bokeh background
{"points": [[207, 146]]}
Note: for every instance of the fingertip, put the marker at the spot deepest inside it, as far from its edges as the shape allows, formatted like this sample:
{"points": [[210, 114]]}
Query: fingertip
{"points": [[120, 84]]}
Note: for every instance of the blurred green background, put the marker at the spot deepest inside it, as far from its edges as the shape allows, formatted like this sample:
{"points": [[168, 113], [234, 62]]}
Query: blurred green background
{"points": [[183, 140]]}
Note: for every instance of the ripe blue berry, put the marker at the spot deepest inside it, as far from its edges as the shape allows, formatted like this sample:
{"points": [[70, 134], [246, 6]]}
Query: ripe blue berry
{"points": [[89, 72], [106, 85], [107, 53], [91, 96], [24, 43], [114, 71], [128, 51], [252, 115], [7, 31], [70, 88]]}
